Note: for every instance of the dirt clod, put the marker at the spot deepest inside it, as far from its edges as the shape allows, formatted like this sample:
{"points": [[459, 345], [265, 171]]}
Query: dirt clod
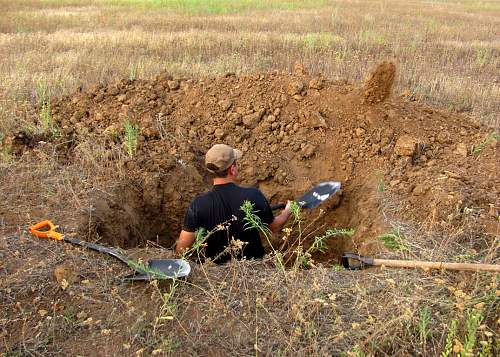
{"points": [[63, 273], [378, 85]]}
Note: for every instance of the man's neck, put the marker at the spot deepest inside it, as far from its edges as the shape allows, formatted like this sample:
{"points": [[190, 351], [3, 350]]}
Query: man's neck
{"points": [[223, 180]]}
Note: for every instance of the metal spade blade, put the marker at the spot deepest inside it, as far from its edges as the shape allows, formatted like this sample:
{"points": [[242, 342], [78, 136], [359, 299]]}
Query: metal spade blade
{"points": [[315, 196]]}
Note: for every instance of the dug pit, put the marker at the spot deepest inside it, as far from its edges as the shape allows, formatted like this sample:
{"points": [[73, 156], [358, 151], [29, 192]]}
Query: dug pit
{"points": [[294, 129]]}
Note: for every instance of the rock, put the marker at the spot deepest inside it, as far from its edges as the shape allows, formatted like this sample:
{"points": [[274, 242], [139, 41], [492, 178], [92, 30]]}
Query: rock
{"points": [[298, 97], [406, 146], [112, 130], [219, 133], [419, 189], [209, 129], [317, 120], [225, 104], [271, 119], [443, 138], [113, 91], [235, 118], [252, 120], [164, 76], [174, 84], [394, 183], [360, 132], [308, 150], [295, 87], [79, 115], [316, 83], [461, 150], [298, 68]]}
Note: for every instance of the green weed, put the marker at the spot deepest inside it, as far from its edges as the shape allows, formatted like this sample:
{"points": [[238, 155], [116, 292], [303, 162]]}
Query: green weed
{"points": [[477, 149], [423, 325], [319, 243], [46, 122], [142, 268], [131, 136], [168, 309], [200, 237], [471, 325], [169, 345], [252, 221], [394, 240], [318, 40], [450, 337], [136, 71], [5, 150], [483, 56]]}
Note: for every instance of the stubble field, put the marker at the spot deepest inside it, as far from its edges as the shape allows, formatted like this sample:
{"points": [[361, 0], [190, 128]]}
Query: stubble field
{"points": [[106, 109]]}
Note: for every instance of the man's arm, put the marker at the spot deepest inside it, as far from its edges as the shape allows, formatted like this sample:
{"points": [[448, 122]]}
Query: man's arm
{"points": [[280, 219], [185, 241]]}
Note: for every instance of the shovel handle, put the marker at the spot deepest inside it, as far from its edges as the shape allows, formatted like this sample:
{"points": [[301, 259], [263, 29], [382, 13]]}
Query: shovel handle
{"points": [[49, 230], [278, 206], [353, 261]]}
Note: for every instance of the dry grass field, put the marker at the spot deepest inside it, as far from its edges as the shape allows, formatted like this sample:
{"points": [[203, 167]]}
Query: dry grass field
{"points": [[447, 51], [98, 59]]}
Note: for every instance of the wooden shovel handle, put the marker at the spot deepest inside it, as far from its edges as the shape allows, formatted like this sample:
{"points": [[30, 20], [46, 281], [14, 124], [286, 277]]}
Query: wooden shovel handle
{"points": [[436, 265], [360, 262], [278, 206]]}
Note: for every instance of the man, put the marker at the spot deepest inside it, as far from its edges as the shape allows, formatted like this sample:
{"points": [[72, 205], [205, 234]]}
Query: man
{"points": [[221, 203]]}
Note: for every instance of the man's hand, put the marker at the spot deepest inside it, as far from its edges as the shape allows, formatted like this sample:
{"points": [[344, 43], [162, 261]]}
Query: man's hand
{"points": [[185, 241], [281, 219]]}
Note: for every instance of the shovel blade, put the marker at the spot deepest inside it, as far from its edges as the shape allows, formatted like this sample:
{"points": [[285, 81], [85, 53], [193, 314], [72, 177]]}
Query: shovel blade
{"points": [[318, 194], [163, 269]]}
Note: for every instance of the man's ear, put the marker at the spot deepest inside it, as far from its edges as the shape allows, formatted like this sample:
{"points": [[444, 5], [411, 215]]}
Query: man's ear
{"points": [[233, 170]]}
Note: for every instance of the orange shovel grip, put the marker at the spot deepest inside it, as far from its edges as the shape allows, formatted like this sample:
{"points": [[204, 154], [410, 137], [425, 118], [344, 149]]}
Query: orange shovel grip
{"points": [[49, 233]]}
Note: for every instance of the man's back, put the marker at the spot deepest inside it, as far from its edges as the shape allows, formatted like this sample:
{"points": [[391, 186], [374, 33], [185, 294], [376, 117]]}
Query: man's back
{"points": [[219, 205]]}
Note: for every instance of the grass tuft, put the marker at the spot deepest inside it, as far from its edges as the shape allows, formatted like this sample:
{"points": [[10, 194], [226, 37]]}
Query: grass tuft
{"points": [[394, 239], [477, 149], [131, 135]]}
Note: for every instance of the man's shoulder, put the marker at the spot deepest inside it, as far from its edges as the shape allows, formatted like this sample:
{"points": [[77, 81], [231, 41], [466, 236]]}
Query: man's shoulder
{"points": [[202, 197]]}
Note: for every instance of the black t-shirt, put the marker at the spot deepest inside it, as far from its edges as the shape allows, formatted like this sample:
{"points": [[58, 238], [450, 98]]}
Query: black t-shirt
{"points": [[219, 205]]}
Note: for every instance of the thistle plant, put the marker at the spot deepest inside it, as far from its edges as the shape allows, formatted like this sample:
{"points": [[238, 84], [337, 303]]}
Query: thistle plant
{"points": [[253, 221]]}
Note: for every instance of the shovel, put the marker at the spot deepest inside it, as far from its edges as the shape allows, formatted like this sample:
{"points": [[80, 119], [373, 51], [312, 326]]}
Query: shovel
{"points": [[154, 269], [315, 196], [353, 261]]}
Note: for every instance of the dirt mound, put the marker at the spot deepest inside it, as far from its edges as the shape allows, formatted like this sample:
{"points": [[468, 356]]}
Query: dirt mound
{"points": [[295, 130], [378, 85]]}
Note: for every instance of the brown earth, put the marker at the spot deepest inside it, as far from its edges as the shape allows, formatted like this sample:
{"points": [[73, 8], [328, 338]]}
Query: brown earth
{"points": [[295, 130]]}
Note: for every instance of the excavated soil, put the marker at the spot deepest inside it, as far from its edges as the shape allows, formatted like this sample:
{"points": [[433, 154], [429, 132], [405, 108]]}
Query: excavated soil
{"points": [[295, 130]]}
